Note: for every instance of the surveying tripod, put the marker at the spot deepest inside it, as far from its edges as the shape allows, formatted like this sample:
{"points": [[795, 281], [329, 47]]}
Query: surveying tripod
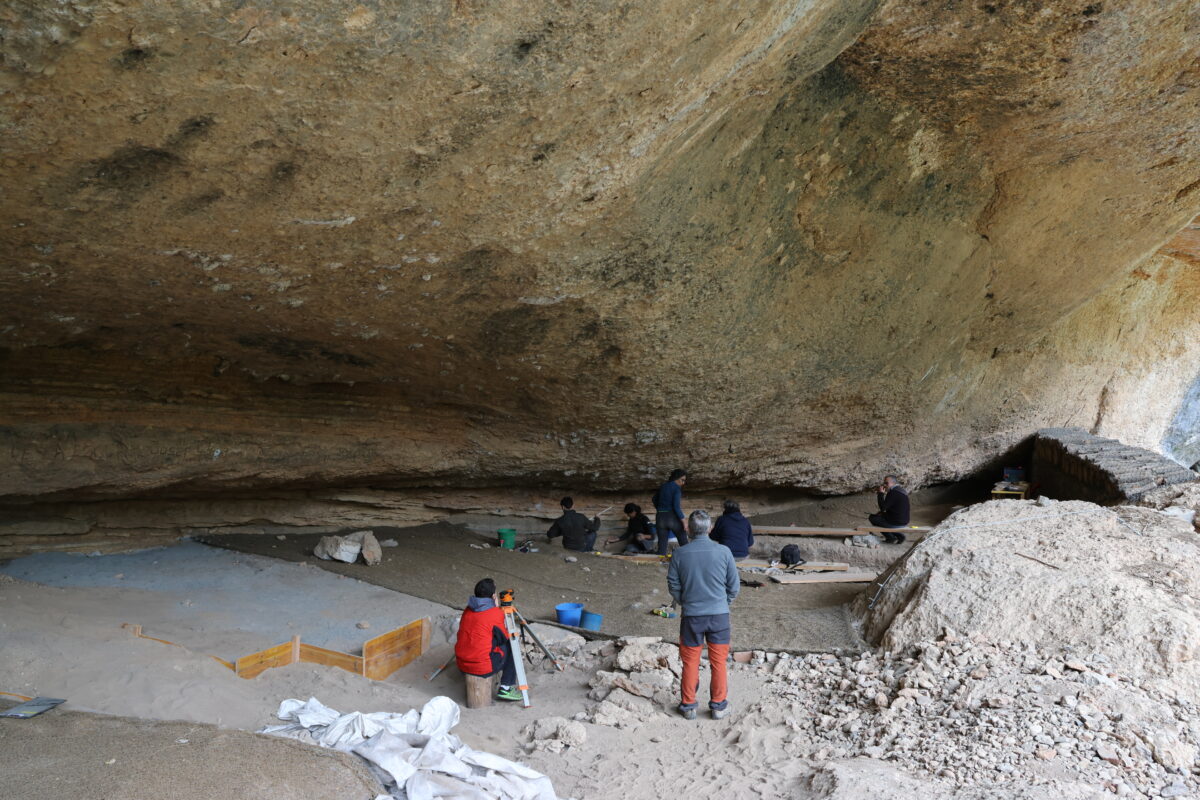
{"points": [[515, 625]]}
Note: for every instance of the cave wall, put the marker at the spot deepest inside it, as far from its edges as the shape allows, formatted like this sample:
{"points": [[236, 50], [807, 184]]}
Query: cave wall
{"points": [[485, 243]]}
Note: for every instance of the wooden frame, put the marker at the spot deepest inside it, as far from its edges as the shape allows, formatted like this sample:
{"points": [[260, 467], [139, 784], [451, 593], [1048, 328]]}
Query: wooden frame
{"points": [[381, 656]]}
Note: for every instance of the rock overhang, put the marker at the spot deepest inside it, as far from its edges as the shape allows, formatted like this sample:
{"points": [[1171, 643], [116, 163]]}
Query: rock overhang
{"points": [[783, 244]]}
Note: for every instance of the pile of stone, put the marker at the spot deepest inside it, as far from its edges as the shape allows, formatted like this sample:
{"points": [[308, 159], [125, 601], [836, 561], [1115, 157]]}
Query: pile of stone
{"points": [[1182, 501], [349, 547], [643, 681], [977, 714], [555, 734]]}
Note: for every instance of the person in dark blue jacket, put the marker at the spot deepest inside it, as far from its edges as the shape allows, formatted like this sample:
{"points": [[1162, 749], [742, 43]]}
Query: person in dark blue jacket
{"points": [[733, 530], [668, 508]]}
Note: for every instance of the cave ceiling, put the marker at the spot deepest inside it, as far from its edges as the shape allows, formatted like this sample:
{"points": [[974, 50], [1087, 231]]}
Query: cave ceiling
{"points": [[485, 242]]}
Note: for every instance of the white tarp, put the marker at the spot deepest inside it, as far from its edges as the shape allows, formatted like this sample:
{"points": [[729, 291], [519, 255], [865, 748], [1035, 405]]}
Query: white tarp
{"points": [[414, 754]]}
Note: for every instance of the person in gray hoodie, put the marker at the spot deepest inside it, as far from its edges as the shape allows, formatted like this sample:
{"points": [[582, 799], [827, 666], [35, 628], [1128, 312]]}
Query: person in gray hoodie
{"points": [[703, 580]]}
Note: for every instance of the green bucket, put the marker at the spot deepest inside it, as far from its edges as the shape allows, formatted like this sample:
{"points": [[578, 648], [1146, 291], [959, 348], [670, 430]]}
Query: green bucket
{"points": [[508, 538]]}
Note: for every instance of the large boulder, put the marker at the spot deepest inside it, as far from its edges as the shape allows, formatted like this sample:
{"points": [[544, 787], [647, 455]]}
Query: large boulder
{"points": [[1117, 585]]}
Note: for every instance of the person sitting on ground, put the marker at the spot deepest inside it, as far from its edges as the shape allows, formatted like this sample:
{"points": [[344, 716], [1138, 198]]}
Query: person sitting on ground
{"points": [[639, 534], [577, 532], [668, 508], [482, 647], [733, 530], [702, 578], [893, 509]]}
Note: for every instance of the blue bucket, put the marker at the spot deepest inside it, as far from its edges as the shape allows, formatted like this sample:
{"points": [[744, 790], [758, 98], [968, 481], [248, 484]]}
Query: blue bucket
{"points": [[568, 613], [591, 621]]}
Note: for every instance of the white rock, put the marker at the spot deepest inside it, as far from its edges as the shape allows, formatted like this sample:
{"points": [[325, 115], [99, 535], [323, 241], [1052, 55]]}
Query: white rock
{"points": [[337, 548], [368, 545]]}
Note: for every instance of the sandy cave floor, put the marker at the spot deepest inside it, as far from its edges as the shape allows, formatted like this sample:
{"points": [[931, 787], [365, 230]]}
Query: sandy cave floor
{"points": [[436, 562], [64, 639], [73, 754]]}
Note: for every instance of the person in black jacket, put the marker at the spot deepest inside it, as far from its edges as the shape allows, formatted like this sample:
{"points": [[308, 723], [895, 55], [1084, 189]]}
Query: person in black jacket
{"points": [[576, 531], [668, 511], [733, 530], [640, 536], [892, 499]]}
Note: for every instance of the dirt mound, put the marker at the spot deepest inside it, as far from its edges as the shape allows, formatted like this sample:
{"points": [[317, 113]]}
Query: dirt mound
{"points": [[1117, 586]]}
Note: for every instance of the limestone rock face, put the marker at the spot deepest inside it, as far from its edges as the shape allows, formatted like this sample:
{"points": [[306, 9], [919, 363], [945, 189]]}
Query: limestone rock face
{"points": [[480, 242]]}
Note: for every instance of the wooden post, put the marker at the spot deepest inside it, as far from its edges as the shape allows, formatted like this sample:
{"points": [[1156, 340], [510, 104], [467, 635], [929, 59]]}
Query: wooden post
{"points": [[295, 649], [480, 690]]}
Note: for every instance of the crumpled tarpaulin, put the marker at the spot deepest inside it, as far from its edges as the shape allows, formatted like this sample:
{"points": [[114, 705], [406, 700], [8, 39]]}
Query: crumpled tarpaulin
{"points": [[413, 754]]}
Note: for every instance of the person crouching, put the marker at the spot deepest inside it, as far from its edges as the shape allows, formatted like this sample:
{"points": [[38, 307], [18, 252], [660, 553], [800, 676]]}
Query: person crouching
{"points": [[482, 648]]}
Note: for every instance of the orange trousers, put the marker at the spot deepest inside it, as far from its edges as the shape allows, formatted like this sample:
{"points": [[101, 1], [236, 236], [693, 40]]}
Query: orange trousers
{"points": [[718, 688]]}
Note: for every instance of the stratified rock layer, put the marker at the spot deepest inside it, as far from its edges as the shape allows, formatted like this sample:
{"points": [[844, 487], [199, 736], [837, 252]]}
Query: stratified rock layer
{"points": [[1072, 464], [477, 243]]}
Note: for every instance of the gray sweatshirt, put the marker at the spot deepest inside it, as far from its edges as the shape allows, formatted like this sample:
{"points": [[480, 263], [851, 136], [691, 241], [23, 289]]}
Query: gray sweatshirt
{"points": [[702, 577]]}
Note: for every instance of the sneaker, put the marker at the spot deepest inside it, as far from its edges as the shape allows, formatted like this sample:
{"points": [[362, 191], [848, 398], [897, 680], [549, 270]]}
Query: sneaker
{"points": [[508, 693], [720, 713], [688, 713], [898, 538]]}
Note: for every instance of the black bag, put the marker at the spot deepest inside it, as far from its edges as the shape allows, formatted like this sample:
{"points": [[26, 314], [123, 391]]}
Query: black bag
{"points": [[790, 556]]}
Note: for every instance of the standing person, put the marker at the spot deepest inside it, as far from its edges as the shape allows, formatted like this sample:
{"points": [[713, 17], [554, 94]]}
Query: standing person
{"points": [[639, 534], [668, 510], [577, 532], [704, 581], [894, 510], [733, 530], [482, 647]]}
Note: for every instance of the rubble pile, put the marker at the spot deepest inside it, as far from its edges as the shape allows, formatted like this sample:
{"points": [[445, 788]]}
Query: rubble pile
{"points": [[349, 547], [643, 682], [1181, 500], [555, 734], [977, 714]]}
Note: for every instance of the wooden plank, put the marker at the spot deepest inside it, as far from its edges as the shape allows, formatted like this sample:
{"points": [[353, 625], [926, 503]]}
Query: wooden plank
{"points": [[795, 530], [808, 566], [825, 577], [388, 652], [642, 558], [136, 630], [311, 654], [905, 531], [256, 663]]}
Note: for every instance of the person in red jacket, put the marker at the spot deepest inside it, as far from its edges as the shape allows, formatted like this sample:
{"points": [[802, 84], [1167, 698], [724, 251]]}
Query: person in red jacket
{"points": [[482, 647]]}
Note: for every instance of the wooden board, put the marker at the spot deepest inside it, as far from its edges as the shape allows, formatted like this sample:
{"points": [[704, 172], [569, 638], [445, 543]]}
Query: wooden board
{"points": [[256, 663], [642, 558], [311, 654], [905, 531], [825, 577], [808, 566], [388, 652], [789, 530], [136, 630]]}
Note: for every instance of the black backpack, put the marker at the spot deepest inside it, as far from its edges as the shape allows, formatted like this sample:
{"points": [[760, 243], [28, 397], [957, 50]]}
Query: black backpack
{"points": [[790, 556]]}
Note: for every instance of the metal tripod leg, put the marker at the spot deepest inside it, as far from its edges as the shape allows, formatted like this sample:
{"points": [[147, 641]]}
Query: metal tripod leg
{"points": [[537, 641], [514, 641]]}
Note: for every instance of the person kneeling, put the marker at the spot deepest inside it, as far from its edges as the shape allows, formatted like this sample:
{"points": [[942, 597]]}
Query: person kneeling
{"points": [[482, 648], [640, 536]]}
